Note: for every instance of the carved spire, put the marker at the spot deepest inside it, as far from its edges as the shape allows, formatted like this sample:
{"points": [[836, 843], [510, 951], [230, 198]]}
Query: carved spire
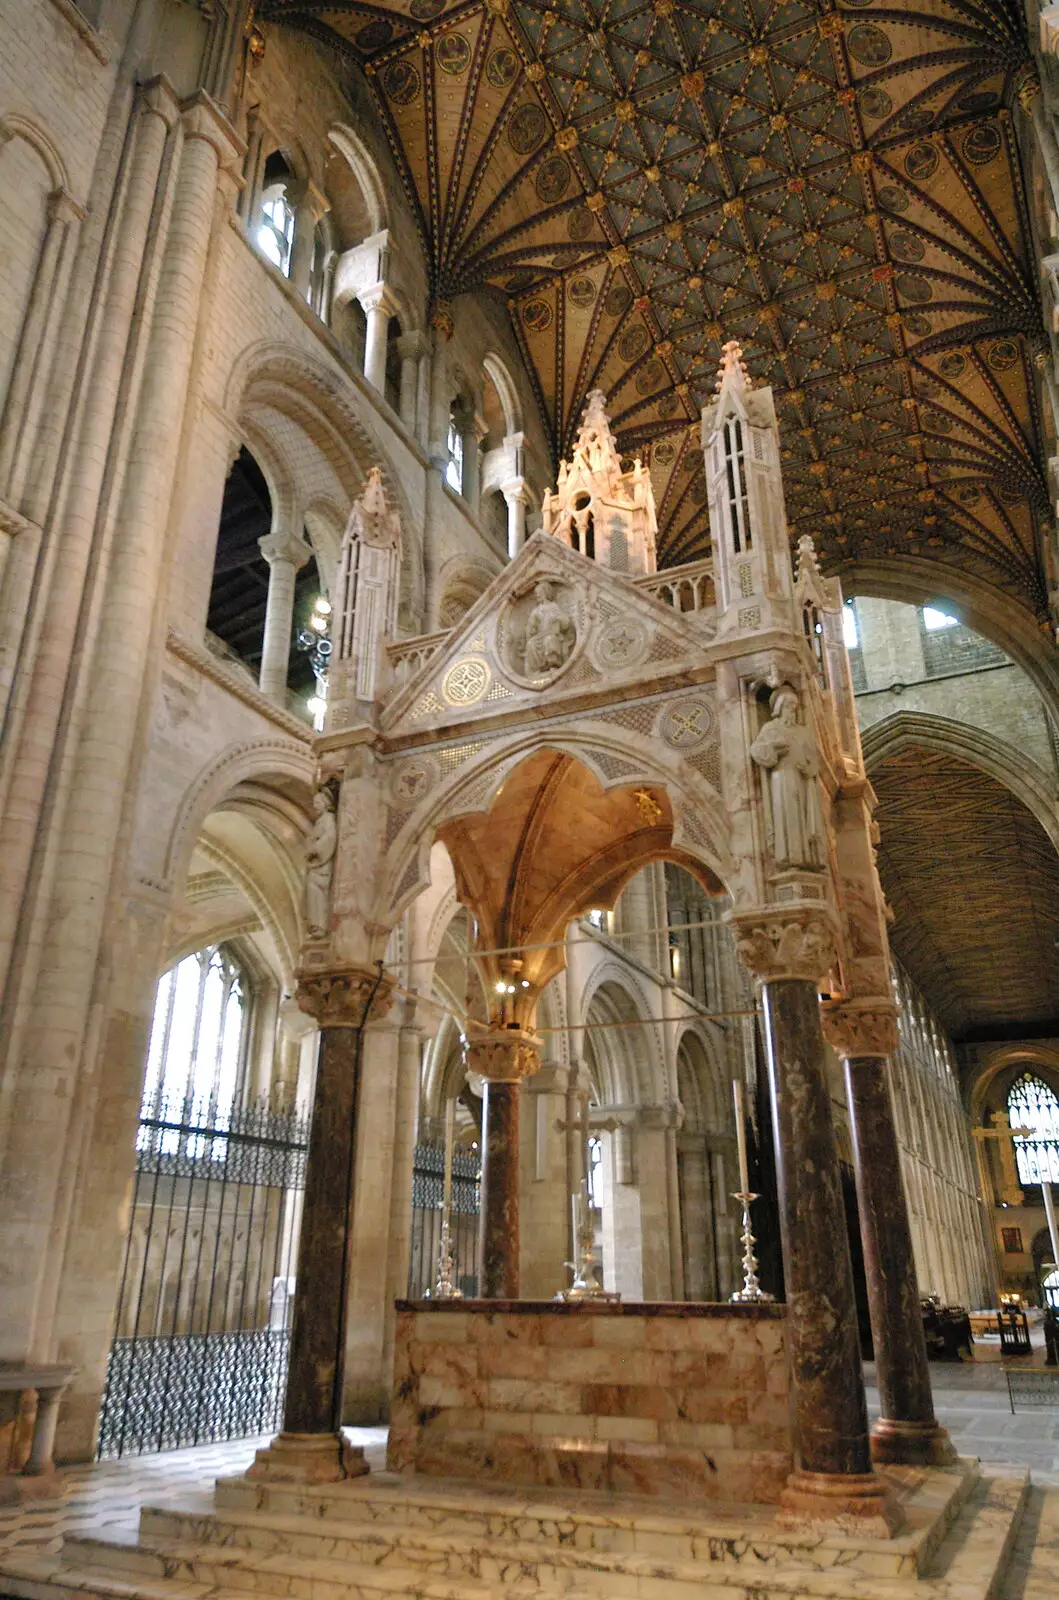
{"points": [[372, 519], [597, 509], [733, 368], [595, 440]]}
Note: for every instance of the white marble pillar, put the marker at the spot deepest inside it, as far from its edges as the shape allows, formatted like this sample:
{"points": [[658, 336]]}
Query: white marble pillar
{"points": [[378, 309], [514, 492], [413, 348], [286, 554]]}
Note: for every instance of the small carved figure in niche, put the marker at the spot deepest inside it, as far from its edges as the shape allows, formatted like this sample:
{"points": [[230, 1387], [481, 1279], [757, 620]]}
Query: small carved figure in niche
{"points": [[320, 864], [787, 751], [550, 632]]}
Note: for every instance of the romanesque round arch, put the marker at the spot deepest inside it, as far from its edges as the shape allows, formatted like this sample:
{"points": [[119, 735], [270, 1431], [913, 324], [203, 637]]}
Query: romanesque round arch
{"points": [[257, 760]]}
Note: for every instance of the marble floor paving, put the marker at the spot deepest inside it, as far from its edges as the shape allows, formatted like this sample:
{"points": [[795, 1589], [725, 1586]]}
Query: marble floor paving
{"points": [[970, 1399]]}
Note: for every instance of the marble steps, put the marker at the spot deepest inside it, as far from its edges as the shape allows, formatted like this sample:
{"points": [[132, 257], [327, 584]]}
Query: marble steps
{"points": [[184, 1551], [600, 1523]]}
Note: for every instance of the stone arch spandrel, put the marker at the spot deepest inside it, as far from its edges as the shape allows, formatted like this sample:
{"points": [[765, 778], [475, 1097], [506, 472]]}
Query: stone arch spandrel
{"points": [[252, 760], [1026, 780]]}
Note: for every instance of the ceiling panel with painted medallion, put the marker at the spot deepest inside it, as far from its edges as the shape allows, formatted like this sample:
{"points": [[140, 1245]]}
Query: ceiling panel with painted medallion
{"points": [[837, 188]]}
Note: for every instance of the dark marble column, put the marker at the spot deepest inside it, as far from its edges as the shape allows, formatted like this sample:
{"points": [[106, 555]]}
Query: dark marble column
{"points": [[833, 1477], [830, 1412], [310, 1446], [503, 1057], [498, 1244], [907, 1430]]}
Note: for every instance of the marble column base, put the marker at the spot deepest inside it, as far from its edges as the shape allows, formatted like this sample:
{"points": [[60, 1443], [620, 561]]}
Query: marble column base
{"points": [[308, 1458], [912, 1444], [858, 1503]]}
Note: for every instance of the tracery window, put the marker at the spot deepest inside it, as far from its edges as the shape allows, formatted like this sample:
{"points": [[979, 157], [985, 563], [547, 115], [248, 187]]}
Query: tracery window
{"points": [[1031, 1104], [196, 1052]]}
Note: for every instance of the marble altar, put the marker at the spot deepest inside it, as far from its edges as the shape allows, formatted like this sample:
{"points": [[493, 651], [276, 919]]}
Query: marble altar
{"points": [[680, 1401]]}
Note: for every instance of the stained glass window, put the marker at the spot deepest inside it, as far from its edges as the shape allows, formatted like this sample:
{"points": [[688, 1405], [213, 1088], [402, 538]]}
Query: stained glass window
{"points": [[1031, 1104]]}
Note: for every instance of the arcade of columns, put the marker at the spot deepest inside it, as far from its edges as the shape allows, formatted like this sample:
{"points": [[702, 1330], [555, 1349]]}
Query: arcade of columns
{"points": [[598, 729]]}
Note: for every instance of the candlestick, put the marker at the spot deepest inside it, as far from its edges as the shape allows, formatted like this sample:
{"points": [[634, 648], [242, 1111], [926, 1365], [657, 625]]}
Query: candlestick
{"points": [[446, 1287], [740, 1134], [751, 1291]]}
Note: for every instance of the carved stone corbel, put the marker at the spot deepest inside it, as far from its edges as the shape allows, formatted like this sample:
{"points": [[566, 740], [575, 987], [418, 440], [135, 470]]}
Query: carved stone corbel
{"points": [[865, 1027]]}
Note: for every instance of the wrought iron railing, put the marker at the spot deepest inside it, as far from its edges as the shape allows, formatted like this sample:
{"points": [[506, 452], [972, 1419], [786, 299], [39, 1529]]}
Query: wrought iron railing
{"points": [[202, 1333]]}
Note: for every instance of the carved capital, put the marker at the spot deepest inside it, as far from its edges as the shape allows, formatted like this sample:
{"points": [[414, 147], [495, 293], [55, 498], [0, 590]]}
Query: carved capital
{"points": [[795, 943], [204, 119], [345, 997], [284, 547], [865, 1027], [504, 1056]]}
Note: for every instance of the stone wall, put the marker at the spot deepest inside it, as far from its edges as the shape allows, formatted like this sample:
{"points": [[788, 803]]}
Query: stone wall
{"points": [[686, 1402]]}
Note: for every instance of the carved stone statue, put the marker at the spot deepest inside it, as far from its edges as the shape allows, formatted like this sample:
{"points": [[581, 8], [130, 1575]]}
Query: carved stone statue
{"points": [[787, 751], [320, 864], [550, 632]]}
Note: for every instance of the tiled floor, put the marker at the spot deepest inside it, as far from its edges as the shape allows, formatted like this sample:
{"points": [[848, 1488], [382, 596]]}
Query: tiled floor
{"points": [[970, 1399]]}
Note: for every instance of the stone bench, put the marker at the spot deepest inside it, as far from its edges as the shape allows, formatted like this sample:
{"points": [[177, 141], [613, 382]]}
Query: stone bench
{"points": [[36, 1390]]}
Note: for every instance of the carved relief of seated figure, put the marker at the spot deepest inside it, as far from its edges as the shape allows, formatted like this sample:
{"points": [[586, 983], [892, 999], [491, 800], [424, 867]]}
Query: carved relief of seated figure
{"points": [[550, 633]]}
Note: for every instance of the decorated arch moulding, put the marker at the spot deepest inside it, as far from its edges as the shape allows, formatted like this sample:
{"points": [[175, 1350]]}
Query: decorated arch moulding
{"points": [[699, 824], [1027, 1057], [364, 167], [296, 372], [15, 126], [906, 730], [259, 759]]}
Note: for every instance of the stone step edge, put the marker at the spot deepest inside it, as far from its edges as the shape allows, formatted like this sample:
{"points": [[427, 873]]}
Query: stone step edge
{"points": [[417, 1543], [977, 1559], [243, 1496], [43, 1579]]}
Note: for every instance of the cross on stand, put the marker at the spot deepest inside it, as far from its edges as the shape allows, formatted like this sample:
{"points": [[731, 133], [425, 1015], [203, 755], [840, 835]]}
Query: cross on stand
{"points": [[585, 1285]]}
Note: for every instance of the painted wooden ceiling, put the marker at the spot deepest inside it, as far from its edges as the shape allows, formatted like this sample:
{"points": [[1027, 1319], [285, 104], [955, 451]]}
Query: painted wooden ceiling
{"points": [[839, 189], [973, 880]]}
